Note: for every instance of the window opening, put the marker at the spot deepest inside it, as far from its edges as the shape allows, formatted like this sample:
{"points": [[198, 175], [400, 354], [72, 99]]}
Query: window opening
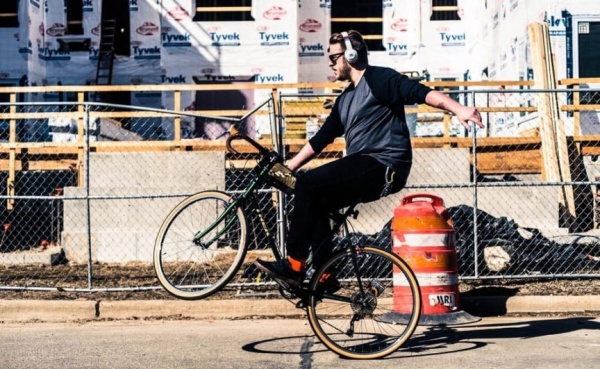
{"points": [[223, 10], [9, 15], [364, 16], [444, 10], [74, 12], [118, 10]]}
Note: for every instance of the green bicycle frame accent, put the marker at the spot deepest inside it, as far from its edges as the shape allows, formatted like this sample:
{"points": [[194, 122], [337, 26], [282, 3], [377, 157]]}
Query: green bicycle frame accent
{"points": [[237, 202]]}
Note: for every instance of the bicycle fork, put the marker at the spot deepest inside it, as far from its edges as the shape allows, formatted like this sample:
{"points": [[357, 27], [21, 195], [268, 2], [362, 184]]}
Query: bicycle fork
{"points": [[231, 209]]}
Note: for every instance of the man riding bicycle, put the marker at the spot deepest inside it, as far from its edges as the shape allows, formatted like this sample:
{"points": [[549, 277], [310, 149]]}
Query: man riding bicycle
{"points": [[370, 114]]}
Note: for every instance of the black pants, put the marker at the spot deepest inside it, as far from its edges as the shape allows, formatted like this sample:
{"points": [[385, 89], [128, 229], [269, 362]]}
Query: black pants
{"points": [[333, 186]]}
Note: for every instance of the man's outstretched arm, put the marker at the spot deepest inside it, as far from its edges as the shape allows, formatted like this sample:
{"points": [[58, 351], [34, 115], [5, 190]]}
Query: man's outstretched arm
{"points": [[465, 114]]}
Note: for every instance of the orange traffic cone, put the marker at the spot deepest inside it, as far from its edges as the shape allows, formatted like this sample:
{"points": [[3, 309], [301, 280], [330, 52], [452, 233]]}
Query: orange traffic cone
{"points": [[423, 235]]}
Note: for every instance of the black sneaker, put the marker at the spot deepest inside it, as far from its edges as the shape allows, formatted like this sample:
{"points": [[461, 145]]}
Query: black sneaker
{"points": [[281, 270]]}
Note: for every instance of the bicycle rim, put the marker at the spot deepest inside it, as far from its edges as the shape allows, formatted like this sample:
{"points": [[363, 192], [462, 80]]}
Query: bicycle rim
{"points": [[365, 325], [190, 268]]}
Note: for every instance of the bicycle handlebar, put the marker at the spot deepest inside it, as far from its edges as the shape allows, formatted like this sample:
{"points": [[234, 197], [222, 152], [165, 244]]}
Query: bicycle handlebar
{"points": [[270, 167], [242, 136]]}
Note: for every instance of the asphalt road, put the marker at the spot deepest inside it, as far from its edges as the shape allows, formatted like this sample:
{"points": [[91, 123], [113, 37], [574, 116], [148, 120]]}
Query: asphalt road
{"points": [[559, 342]]}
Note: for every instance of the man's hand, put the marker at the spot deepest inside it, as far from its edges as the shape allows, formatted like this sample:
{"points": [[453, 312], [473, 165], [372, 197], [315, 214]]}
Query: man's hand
{"points": [[466, 114]]}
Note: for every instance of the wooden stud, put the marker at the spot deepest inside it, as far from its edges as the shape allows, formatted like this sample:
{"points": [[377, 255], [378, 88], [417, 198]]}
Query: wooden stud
{"points": [[81, 139]]}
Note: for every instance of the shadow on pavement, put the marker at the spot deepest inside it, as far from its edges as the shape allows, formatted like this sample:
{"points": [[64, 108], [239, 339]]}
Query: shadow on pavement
{"points": [[487, 301], [437, 340], [438, 337]]}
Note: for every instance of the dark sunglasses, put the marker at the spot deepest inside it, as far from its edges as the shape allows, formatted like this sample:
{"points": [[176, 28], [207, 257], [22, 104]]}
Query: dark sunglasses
{"points": [[334, 57]]}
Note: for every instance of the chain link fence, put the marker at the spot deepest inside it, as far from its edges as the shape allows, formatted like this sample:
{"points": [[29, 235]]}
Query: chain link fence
{"points": [[86, 186]]}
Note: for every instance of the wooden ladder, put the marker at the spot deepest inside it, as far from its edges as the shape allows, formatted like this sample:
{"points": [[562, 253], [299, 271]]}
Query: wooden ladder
{"points": [[106, 52]]}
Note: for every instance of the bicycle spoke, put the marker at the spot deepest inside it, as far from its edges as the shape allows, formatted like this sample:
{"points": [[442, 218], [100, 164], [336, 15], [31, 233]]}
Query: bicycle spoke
{"points": [[358, 321], [192, 268], [331, 325]]}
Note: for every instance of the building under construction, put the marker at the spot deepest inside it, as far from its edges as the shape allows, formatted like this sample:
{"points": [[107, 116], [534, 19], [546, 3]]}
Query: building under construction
{"points": [[122, 42]]}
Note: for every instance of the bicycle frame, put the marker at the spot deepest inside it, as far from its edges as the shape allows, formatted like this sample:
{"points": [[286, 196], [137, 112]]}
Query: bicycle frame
{"points": [[340, 221], [241, 201]]}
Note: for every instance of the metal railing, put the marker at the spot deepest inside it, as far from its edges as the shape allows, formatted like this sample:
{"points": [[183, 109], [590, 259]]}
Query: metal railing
{"points": [[80, 212]]}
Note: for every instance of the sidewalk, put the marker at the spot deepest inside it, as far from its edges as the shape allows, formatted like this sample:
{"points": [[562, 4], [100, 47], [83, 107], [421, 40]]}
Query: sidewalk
{"points": [[78, 310]]}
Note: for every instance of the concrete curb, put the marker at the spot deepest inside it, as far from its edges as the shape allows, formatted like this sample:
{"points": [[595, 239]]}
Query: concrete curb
{"points": [[77, 310], [500, 305], [46, 310]]}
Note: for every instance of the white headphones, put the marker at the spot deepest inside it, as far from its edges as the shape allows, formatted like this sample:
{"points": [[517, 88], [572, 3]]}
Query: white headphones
{"points": [[350, 54]]}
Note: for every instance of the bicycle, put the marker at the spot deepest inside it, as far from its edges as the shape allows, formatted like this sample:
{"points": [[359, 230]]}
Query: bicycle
{"points": [[204, 240]]}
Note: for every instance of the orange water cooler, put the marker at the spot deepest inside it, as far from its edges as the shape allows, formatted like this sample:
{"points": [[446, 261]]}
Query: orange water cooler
{"points": [[423, 235]]}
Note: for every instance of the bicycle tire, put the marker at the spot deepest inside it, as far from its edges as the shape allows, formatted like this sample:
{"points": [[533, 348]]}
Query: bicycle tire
{"points": [[192, 271], [378, 330]]}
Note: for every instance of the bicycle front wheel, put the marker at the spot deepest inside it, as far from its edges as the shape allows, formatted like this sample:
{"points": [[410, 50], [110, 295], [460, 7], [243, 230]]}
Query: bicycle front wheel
{"points": [[359, 320], [200, 245]]}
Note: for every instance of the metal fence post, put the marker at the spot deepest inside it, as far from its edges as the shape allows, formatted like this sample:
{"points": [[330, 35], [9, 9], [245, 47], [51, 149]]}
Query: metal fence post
{"points": [[474, 174], [277, 130], [87, 192], [12, 139]]}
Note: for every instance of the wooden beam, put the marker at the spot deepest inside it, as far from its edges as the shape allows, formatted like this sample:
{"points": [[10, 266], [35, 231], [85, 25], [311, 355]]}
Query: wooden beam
{"points": [[589, 144], [357, 20], [41, 165], [558, 163], [444, 8], [81, 140], [214, 9], [576, 114], [509, 162], [578, 81], [125, 114], [577, 107]]}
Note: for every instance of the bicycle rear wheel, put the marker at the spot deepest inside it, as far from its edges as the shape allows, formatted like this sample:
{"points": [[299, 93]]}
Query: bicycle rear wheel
{"points": [[358, 321], [200, 245]]}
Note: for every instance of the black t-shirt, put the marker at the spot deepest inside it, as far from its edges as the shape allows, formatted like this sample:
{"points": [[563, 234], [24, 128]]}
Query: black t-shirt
{"points": [[371, 117]]}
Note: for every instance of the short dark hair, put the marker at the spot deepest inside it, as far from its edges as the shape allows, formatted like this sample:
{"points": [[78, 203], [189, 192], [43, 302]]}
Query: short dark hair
{"points": [[357, 41]]}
